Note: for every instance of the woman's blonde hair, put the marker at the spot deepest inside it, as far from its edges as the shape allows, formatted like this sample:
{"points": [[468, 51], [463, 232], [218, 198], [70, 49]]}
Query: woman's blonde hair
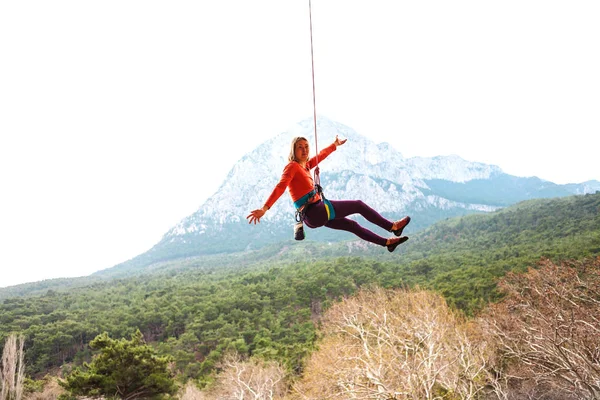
{"points": [[292, 156]]}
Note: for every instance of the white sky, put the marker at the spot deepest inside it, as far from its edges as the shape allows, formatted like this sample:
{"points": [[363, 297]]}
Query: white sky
{"points": [[120, 118]]}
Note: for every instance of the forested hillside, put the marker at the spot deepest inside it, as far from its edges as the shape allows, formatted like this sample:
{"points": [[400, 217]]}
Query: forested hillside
{"points": [[463, 257], [195, 312]]}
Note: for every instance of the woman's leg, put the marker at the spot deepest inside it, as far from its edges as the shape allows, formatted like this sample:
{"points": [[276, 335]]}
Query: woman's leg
{"points": [[343, 208], [317, 216], [349, 225]]}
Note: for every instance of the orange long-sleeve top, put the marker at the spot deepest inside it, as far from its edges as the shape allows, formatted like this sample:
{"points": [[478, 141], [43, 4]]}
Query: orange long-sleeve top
{"points": [[298, 179]]}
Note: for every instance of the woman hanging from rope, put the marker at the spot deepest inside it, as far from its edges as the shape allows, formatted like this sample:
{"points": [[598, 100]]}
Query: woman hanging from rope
{"points": [[316, 211]]}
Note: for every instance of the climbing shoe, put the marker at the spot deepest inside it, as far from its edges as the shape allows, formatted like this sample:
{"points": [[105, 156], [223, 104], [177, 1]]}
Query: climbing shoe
{"points": [[402, 224], [396, 241]]}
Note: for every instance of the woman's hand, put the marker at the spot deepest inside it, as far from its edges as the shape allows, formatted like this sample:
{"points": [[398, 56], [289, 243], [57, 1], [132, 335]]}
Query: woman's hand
{"points": [[256, 215], [338, 141]]}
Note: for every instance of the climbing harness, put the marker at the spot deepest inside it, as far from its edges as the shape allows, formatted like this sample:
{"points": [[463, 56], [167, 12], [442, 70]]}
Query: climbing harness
{"points": [[303, 207]]}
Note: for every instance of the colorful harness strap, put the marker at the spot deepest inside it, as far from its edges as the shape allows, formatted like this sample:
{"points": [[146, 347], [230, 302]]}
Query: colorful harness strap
{"points": [[304, 199], [329, 208], [301, 202]]}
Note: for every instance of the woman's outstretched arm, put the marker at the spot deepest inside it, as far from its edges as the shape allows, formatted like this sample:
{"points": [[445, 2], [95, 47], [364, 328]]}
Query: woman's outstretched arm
{"points": [[256, 215], [288, 173], [326, 152], [338, 141]]}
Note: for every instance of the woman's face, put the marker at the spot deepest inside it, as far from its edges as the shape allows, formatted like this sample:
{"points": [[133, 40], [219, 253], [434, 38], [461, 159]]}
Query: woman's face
{"points": [[301, 151]]}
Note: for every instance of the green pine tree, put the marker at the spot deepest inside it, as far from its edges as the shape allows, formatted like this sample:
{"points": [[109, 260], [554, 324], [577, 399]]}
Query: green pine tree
{"points": [[124, 369]]}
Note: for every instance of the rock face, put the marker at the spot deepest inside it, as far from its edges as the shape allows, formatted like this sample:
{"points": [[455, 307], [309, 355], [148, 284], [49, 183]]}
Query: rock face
{"points": [[428, 189]]}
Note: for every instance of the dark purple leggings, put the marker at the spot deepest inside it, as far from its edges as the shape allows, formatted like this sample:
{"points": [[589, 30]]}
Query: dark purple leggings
{"points": [[316, 216]]}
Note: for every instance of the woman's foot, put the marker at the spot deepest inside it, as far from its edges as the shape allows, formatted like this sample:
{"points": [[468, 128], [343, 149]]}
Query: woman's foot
{"points": [[392, 243], [399, 226]]}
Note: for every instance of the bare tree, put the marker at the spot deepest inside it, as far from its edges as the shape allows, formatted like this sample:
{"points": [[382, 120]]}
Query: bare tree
{"points": [[191, 392], [50, 391], [548, 330], [13, 369], [395, 344], [251, 379]]}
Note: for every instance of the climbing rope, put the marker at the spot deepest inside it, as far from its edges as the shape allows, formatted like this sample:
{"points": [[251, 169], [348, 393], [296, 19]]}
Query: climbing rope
{"points": [[317, 178]]}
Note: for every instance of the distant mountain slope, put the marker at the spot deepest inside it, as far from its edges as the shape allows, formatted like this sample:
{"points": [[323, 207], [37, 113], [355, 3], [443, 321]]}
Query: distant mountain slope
{"points": [[497, 190], [566, 227]]}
